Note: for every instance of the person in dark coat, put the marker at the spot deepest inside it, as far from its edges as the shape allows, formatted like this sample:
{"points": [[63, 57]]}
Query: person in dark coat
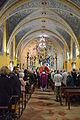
{"points": [[31, 77], [15, 82], [74, 75], [5, 88], [16, 86], [26, 75], [78, 78], [70, 81], [49, 78], [38, 77]]}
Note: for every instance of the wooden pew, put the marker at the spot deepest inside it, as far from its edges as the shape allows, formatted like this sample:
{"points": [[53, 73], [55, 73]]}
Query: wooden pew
{"points": [[15, 106], [68, 92], [23, 101], [3, 109]]}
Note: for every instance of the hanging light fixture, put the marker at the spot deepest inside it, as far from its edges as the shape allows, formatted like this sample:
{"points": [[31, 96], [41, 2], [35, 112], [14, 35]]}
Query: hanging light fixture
{"points": [[42, 38], [42, 42]]}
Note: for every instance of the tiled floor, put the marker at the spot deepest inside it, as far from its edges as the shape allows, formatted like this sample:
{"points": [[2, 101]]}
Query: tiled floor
{"points": [[42, 106]]}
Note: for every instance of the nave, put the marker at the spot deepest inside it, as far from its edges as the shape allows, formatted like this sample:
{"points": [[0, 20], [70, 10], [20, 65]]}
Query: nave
{"points": [[42, 106], [38, 36]]}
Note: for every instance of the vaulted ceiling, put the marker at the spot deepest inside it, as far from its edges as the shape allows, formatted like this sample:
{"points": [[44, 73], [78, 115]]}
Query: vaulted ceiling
{"points": [[28, 19]]}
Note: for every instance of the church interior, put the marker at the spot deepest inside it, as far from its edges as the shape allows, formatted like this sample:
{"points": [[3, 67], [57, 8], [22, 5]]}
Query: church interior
{"points": [[35, 33]]}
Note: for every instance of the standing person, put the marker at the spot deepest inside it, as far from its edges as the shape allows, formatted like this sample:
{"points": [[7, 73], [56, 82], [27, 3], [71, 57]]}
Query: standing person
{"points": [[26, 75], [31, 77], [16, 86], [26, 79], [52, 75], [43, 80], [64, 77], [74, 75], [5, 87], [38, 77], [57, 81], [15, 82], [78, 78], [49, 78], [70, 80], [23, 83]]}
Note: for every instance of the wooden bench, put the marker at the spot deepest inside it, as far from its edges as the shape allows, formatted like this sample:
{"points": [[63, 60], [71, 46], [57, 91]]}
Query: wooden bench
{"points": [[69, 92], [31, 88], [15, 106], [23, 101], [3, 109]]}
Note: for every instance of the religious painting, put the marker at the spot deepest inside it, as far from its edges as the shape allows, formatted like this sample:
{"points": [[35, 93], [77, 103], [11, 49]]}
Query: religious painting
{"points": [[1, 40]]}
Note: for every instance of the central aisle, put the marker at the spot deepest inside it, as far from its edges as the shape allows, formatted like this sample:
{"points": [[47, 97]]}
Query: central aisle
{"points": [[42, 106]]}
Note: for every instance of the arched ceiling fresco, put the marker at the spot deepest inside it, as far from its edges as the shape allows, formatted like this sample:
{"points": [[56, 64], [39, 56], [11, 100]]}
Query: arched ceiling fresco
{"points": [[2, 2], [23, 17]]}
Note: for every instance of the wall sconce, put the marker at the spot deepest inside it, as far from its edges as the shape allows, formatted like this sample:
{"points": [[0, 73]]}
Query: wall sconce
{"points": [[11, 65], [74, 65], [16, 56], [7, 52], [77, 52]]}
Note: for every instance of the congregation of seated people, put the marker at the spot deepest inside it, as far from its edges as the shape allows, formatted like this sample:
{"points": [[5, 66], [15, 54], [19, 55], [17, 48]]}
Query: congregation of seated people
{"points": [[13, 83], [17, 81]]}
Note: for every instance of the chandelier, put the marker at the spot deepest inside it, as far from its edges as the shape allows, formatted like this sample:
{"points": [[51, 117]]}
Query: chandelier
{"points": [[42, 42]]}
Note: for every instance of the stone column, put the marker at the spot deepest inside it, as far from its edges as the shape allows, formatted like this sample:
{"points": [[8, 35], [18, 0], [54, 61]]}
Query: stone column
{"points": [[64, 57], [4, 56], [70, 60], [14, 51]]}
